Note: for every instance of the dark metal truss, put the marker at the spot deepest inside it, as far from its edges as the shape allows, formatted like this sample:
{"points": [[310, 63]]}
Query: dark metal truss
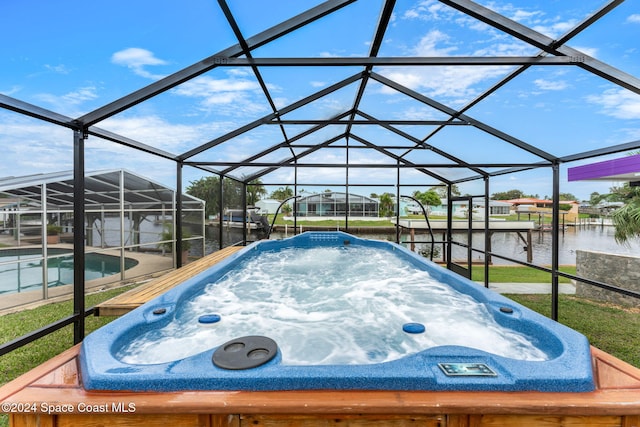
{"points": [[551, 53]]}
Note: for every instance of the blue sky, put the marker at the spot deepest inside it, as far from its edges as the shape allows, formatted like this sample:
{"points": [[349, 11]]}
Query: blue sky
{"points": [[73, 56]]}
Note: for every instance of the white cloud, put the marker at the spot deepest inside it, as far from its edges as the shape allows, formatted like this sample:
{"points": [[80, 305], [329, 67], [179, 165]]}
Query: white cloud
{"points": [[535, 19], [428, 10], [229, 96], [69, 103], [424, 113], [157, 132], [58, 69], [431, 10], [591, 51], [32, 146], [550, 85], [619, 103], [442, 82], [634, 19], [137, 59], [555, 29], [207, 86], [523, 15], [11, 91], [81, 95]]}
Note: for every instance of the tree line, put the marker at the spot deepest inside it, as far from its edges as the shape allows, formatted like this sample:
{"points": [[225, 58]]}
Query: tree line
{"points": [[626, 219]]}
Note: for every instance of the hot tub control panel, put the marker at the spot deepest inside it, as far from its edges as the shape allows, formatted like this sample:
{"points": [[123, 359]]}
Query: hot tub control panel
{"points": [[466, 370]]}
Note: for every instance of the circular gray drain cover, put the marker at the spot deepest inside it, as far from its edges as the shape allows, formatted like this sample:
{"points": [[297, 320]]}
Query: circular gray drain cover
{"points": [[245, 352]]}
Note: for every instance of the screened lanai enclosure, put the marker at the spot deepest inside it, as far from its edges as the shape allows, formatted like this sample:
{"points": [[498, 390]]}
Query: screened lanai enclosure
{"points": [[125, 214], [357, 97]]}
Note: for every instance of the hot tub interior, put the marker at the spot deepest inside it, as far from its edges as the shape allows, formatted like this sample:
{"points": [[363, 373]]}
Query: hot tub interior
{"points": [[341, 312]]}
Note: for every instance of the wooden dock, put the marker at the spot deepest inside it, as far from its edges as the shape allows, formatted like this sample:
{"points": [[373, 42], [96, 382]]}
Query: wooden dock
{"points": [[52, 395], [523, 230], [134, 298]]}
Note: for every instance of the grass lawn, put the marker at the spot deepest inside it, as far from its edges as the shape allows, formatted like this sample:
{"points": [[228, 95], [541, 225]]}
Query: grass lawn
{"points": [[610, 328], [518, 274], [31, 355], [25, 358]]}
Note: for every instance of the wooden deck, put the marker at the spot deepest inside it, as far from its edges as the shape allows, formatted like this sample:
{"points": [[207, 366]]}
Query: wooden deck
{"points": [[51, 395], [134, 298]]}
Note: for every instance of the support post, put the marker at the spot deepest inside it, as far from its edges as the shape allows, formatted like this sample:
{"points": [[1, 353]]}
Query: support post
{"points": [[45, 244], [245, 224], [555, 219], [347, 201], [449, 225], [79, 136], [178, 218], [221, 212], [122, 236], [398, 202], [487, 232], [295, 193]]}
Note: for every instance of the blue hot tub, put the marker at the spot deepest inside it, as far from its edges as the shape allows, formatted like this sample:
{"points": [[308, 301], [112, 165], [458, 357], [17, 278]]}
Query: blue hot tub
{"points": [[371, 316]]}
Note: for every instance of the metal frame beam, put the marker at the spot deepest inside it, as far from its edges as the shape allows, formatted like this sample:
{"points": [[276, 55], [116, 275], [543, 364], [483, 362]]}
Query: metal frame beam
{"points": [[287, 143], [456, 114], [423, 145], [406, 163], [369, 122], [247, 51], [40, 113], [294, 159], [566, 37], [212, 62], [269, 117], [400, 162], [546, 43], [409, 61]]}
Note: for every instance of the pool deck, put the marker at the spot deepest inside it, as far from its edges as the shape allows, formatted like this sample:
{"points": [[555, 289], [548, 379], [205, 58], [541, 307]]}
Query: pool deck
{"points": [[55, 387], [148, 267]]}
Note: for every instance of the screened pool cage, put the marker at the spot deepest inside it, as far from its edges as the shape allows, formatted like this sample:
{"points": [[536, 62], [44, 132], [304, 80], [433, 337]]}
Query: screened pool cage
{"points": [[357, 143], [128, 220]]}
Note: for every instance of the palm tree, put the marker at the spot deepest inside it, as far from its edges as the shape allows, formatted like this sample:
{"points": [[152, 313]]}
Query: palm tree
{"points": [[282, 193], [386, 204], [627, 220], [255, 191]]}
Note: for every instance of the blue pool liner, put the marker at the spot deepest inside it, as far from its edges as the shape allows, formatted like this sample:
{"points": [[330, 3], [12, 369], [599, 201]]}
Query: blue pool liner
{"points": [[568, 369]]}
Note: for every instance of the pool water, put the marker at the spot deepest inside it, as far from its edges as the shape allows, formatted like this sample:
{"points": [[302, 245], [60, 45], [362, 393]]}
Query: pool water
{"points": [[331, 305], [21, 269]]}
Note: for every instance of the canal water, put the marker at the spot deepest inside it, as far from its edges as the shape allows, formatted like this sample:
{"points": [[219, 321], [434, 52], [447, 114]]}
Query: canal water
{"points": [[590, 237]]}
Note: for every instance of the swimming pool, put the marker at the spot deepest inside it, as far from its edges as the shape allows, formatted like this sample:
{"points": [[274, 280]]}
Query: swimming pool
{"points": [[224, 342], [21, 269]]}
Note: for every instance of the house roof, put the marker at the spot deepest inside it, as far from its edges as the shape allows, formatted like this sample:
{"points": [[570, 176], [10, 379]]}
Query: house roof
{"points": [[532, 201]]}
